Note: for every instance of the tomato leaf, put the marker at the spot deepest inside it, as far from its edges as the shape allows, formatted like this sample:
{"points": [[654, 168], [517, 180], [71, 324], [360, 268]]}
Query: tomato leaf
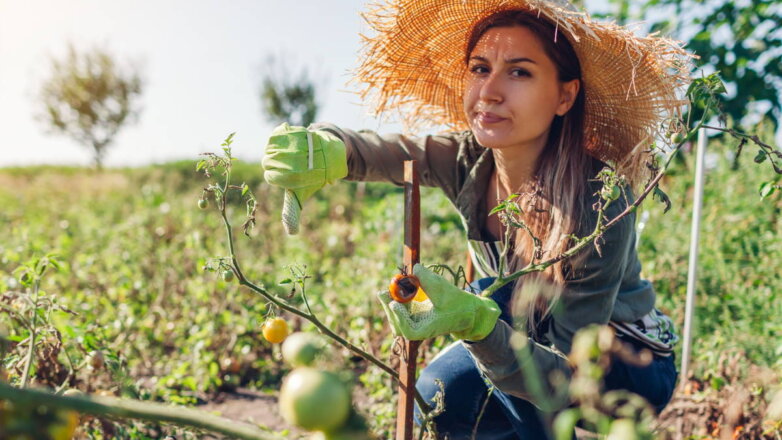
{"points": [[497, 209], [660, 195], [229, 140], [766, 189]]}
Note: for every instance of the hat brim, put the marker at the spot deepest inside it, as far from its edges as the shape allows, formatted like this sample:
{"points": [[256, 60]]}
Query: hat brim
{"points": [[414, 64]]}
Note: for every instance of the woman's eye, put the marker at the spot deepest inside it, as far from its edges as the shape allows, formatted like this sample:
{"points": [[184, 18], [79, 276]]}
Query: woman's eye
{"points": [[519, 73], [478, 68]]}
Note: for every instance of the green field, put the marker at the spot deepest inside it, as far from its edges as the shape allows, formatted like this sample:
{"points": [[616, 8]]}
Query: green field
{"points": [[133, 245]]}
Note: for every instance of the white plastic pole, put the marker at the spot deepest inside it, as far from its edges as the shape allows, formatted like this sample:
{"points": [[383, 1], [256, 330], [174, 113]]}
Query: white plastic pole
{"points": [[692, 273], [640, 228]]}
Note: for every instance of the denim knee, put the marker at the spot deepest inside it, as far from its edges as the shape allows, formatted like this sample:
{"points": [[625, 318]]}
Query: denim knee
{"points": [[462, 385]]}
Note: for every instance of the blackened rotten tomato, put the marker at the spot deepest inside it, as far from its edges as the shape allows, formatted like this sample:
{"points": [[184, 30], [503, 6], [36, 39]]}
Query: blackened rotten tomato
{"points": [[403, 287]]}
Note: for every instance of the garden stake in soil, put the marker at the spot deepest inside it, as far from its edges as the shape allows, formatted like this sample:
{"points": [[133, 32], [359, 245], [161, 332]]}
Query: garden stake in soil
{"points": [[407, 364]]}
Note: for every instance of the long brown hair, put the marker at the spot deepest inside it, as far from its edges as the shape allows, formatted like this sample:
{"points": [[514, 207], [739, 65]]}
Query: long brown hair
{"points": [[553, 203]]}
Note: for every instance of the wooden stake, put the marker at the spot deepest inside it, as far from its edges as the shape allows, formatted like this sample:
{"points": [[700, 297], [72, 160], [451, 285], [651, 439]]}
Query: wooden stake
{"points": [[407, 366]]}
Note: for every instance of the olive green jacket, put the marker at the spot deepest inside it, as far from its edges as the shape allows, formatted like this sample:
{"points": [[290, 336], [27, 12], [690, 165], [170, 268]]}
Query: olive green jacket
{"points": [[603, 287]]}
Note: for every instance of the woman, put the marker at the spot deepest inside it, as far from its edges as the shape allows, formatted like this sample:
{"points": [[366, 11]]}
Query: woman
{"points": [[548, 98]]}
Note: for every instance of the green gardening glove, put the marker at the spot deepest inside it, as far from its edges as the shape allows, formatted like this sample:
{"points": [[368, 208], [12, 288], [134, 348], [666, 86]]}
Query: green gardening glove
{"points": [[448, 310], [302, 161]]}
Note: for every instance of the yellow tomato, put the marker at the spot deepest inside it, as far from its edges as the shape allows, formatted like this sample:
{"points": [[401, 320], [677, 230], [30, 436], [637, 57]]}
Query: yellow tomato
{"points": [[67, 422], [275, 330]]}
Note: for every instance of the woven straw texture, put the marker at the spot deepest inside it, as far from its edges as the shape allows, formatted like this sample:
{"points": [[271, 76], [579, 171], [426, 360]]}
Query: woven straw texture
{"points": [[414, 64]]}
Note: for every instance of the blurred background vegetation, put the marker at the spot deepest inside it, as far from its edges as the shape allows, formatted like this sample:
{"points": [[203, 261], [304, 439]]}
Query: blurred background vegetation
{"points": [[742, 40]]}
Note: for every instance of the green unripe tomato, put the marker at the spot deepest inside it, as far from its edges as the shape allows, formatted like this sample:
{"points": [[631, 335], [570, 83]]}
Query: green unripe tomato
{"points": [[203, 203], [774, 410], [677, 138], [228, 275], [314, 400], [300, 349], [623, 429], [610, 192], [341, 434]]}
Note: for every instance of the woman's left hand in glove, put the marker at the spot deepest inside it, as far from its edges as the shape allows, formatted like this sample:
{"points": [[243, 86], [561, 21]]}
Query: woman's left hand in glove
{"points": [[448, 310]]}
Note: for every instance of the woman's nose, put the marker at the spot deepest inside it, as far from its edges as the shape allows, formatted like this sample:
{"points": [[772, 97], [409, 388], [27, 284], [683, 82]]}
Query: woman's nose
{"points": [[491, 90]]}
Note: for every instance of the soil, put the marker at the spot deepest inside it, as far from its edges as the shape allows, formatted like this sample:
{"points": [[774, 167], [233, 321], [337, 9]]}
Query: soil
{"points": [[254, 407]]}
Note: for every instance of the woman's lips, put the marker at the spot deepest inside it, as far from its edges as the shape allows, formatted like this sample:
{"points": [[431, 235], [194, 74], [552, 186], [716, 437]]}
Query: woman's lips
{"points": [[488, 118]]}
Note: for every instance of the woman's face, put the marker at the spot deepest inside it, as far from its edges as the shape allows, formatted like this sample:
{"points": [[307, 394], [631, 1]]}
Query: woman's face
{"points": [[512, 91]]}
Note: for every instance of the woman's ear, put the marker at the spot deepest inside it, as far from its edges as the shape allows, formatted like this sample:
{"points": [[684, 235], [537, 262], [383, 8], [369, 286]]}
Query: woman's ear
{"points": [[568, 92]]}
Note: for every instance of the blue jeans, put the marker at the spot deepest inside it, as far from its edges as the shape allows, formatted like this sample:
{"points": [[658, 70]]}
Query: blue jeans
{"points": [[509, 417]]}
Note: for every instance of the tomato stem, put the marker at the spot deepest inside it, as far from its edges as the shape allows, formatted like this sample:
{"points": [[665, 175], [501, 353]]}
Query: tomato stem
{"points": [[135, 409], [33, 334], [309, 316]]}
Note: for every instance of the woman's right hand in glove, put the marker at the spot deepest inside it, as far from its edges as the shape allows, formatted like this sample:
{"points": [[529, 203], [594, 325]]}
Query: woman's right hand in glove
{"points": [[448, 309], [302, 161]]}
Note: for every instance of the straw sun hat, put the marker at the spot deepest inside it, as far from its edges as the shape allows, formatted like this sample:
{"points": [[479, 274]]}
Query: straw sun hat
{"points": [[414, 64]]}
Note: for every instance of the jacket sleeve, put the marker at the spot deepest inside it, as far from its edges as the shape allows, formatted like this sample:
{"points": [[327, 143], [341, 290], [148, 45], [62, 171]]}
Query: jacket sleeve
{"points": [[372, 157]]}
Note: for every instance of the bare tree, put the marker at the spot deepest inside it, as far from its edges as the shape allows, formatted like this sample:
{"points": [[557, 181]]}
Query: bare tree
{"points": [[89, 97]]}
